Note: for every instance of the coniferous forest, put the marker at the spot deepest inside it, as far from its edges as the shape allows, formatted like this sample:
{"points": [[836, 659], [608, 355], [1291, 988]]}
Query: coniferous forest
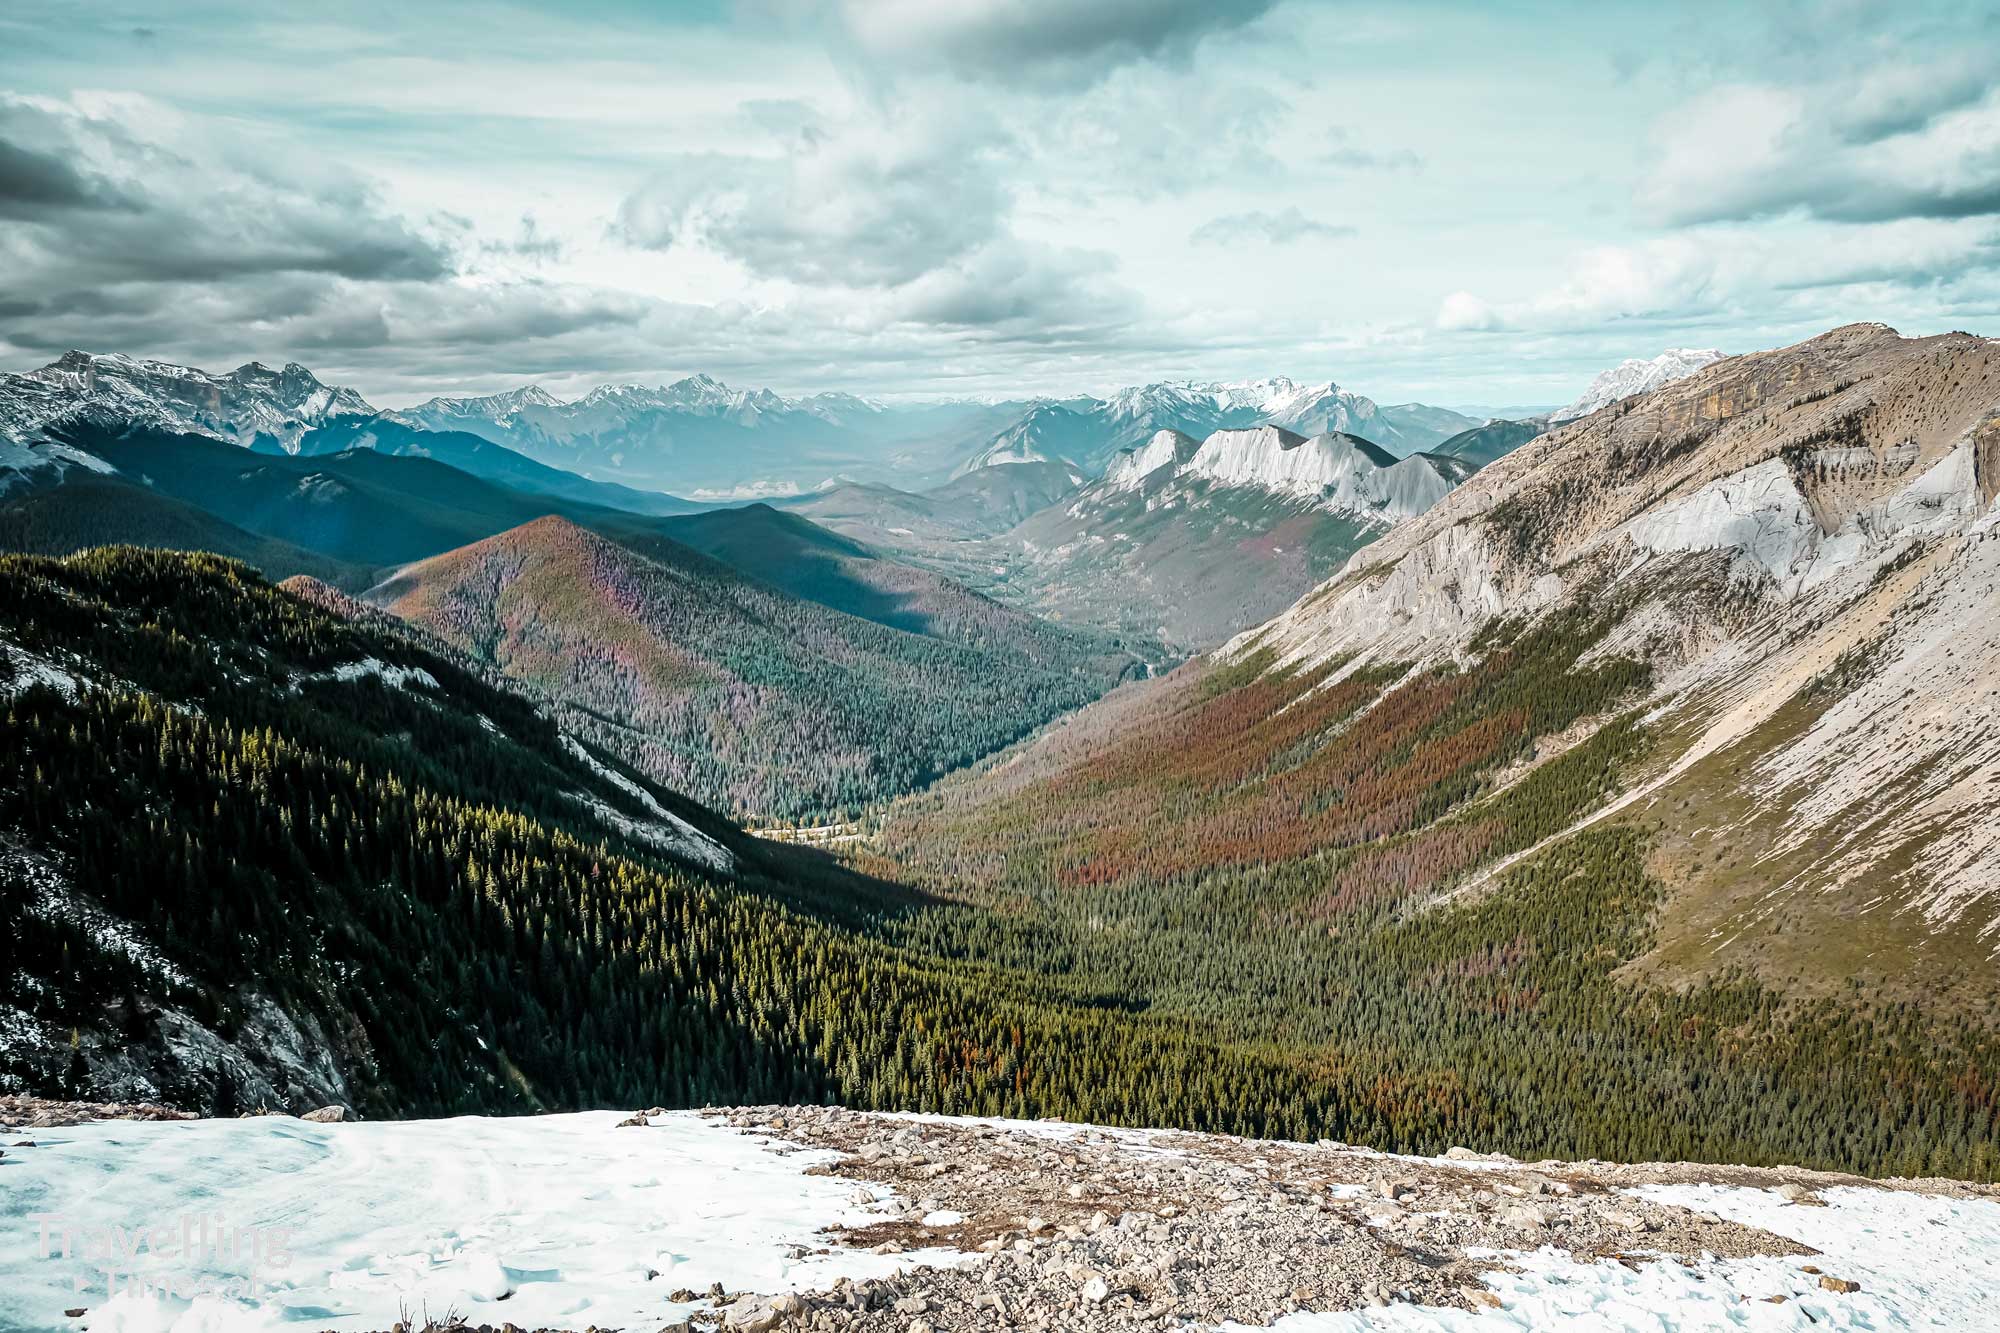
{"points": [[1259, 902]]}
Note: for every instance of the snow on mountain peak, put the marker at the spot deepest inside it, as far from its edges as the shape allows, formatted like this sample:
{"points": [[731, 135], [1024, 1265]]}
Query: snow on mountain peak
{"points": [[1332, 469], [1638, 375], [1167, 448], [123, 392]]}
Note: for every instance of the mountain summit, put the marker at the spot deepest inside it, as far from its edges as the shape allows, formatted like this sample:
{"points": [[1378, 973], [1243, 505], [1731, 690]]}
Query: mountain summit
{"points": [[117, 392]]}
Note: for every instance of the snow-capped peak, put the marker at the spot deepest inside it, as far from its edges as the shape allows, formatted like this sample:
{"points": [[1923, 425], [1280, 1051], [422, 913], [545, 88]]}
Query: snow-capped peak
{"points": [[122, 392], [1638, 375], [1167, 449], [1332, 469]]}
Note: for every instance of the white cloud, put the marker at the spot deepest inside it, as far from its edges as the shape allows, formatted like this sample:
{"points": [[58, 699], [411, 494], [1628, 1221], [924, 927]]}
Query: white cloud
{"points": [[868, 204], [1285, 226], [1464, 311], [1732, 269], [1054, 41], [1755, 151]]}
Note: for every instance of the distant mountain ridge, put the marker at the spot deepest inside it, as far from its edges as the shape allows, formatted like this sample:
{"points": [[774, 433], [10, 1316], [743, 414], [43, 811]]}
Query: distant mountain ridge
{"points": [[1192, 541], [1637, 375], [244, 405], [695, 436], [1090, 433]]}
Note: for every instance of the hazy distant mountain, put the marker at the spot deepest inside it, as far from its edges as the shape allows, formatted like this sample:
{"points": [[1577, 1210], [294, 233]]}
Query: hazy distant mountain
{"points": [[1046, 433], [1192, 541], [1090, 433], [1493, 441], [698, 435], [1636, 375]]}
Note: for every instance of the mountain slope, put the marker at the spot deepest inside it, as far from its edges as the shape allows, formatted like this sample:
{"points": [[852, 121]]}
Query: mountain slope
{"points": [[257, 853], [809, 562], [482, 458], [1796, 542], [1646, 780], [60, 519], [340, 516], [360, 506], [722, 686]]}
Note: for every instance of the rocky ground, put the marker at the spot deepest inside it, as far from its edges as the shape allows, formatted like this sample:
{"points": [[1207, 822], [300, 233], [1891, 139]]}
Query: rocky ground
{"points": [[18, 1112], [1071, 1227]]}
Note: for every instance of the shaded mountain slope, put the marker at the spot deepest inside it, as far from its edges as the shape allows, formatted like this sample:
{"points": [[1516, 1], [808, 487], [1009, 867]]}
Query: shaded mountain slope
{"points": [[720, 685], [1491, 442], [816, 565], [483, 458], [88, 510], [360, 506]]}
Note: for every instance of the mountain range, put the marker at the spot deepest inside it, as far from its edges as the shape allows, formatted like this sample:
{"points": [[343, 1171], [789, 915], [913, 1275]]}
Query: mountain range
{"points": [[1190, 541], [1627, 796], [728, 664], [695, 436], [1089, 433]]}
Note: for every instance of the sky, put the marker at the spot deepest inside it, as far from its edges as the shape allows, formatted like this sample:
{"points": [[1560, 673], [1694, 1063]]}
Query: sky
{"points": [[1459, 203]]}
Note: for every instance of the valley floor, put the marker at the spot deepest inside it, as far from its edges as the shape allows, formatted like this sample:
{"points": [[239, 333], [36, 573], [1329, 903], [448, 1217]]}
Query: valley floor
{"points": [[822, 1218]]}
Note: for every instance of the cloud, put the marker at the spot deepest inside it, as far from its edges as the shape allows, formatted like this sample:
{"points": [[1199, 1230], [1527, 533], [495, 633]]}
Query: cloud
{"points": [[36, 185], [1743, 270], [1464, 311], [1031, 292], [1050, 41], [873, 206], [96, 202], [1147, 133], [1356, 157], [1898, 151], [892, 216], [1286, 227]]}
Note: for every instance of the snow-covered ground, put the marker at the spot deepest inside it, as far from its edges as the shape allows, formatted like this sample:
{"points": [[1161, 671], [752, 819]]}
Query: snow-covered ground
{"points": [[571, 1221], [545, 1220]]}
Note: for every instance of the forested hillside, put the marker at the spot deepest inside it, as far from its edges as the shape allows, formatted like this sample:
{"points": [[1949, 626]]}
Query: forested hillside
{"points": [[216, 828], [222, 800], [88, 509], [1306, 860], [716, 684]]}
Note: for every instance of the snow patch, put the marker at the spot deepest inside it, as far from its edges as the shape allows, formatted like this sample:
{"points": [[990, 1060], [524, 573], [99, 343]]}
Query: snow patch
{"points": [[668, 831], [567, 1213], [31, 669], [395, 677]]}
